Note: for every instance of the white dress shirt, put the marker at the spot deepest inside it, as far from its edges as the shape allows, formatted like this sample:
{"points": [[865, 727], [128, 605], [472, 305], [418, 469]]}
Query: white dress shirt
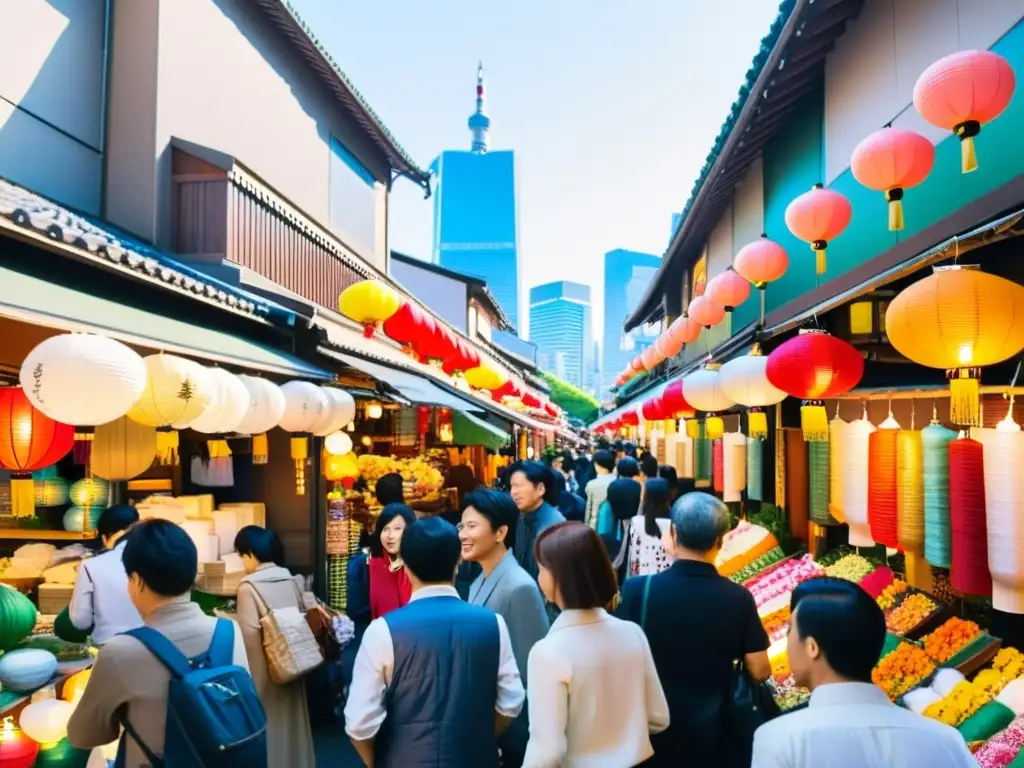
{"points": [[854, 725], [365, 710], [595, 696], [100, 599]]}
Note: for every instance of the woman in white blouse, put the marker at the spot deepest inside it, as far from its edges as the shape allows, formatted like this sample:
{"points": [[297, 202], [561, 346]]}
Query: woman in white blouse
{"points": [[647, 554], [594, 695]]}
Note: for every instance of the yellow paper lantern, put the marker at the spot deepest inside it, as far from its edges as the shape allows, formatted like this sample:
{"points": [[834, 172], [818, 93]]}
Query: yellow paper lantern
{"points": [[74, 686], [973, 319], [90, 492], [369, 303], [123, 449], [486, 376], [177, 392]]}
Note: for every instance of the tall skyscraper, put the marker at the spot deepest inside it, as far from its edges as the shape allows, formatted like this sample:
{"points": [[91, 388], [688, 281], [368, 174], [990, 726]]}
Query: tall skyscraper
{"points": [[560, 327], [475, 218], [626, 277]]}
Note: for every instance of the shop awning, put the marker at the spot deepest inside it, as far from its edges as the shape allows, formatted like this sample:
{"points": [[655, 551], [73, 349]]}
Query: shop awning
{"points": [[469, 430], [29, 299]]}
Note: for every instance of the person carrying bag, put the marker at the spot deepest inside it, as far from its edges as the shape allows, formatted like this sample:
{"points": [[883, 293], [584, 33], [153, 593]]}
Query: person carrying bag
{"points": [[291, 648]]}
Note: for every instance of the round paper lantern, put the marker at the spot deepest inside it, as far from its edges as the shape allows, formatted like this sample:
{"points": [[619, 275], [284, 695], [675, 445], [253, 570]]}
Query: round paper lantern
{"points": [[836, 467], [728, 290], [177, 391], [704, 392], [52, 492], [652, 409], [266, 406], [817, 217], [17, 617], [74, 686], [531, 400], [969, 572], [17, 750], [341, 409], [630, 418], [734, 465], [705, 311], [82, 379], [856, 437], [46, 721], [407, 323], [81, 519], [90, 492], [882, 492], [910, 491], [761, 262], [684, 330], [230, 405], [815, 366], [29, 440], [667, 346], [369, 303], [462, 359], [338, 444], [675, 402], [486, 376], [305, 405], [963, 91], [651, 358], [892, 160], [334, 467], [123, 449], [973, 319], [744, 380], [26, 669], [1004, 517]]}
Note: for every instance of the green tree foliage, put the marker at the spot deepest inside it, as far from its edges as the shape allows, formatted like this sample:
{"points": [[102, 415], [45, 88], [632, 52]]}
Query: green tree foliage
{"points": [[575, 402]]}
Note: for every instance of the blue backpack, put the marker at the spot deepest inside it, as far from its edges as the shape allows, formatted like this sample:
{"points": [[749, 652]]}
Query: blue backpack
{"points": [[214, 715]]}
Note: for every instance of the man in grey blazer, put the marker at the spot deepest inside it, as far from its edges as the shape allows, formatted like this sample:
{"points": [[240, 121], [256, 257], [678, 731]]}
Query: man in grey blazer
{"points": [[488, 526]]}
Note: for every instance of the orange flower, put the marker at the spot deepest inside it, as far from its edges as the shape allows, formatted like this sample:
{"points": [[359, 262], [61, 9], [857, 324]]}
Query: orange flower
{"points": [[901, 670], [911, 612], [946, 641]]}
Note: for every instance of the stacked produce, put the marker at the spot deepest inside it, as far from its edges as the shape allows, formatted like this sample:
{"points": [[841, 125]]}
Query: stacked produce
{"points": [[771, 589], [951, 638], [777, 623], [902, 669], [910, 612], [851, 567], [423, 480], [757, 565]]}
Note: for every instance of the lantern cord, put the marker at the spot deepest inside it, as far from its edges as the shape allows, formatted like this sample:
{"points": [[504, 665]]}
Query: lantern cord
{"points": [[935, 412]]}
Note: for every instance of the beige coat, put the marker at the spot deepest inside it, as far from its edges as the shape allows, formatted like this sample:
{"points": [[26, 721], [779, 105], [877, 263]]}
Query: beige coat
{"points": [[289, 739], [127, 675]]}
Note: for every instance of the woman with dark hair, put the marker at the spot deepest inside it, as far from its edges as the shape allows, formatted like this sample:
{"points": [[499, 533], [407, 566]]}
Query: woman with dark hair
{"points": [[568, 503], [584, 473], [268, 586], [646, 554], [390, 489], [594, 695], [669, 475], [99, 602], [621, 505], [389, 586], [648, 466]]}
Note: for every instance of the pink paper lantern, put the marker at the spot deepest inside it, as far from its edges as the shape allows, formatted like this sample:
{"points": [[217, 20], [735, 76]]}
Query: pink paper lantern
{"points": [[667, 346], [817, 217], [705, 311], [650, 358], [728, 289], [684, 330], [762, 261], [890, 161]]}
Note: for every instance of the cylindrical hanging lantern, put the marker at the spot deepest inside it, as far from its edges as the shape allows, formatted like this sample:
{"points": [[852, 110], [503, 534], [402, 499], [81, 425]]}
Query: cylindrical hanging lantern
{"points": [[744, 379], [29, 441], [755, 469], [369, 303], [935, 440], [974, 319], [728, 290], [815, 366], [705, 311], [684, 330], [856, 437], [882, 493], [1004, 517], [734, 466], [836, 467], [963, 91], [123, 449], [817, 217], [406, 324], [892, 160], [704, 392], [969, 572], [910, 491], [702, 458], [684, 456], [818, 480], [717, 465]]}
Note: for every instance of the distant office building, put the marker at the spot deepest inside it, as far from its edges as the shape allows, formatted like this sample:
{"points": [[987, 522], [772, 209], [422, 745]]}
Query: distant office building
{"points": [[626, 277], [475, 226], [560, 327]]}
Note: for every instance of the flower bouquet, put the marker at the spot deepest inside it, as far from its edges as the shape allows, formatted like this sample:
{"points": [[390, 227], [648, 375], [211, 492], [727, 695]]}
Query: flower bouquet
{"points": [[902, 670], [771, 589]]}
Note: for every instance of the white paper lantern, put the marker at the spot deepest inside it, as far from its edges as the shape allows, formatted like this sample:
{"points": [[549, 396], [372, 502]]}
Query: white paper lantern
{"points": [[703, 390], [304, 407], [855, 481], [229, 407], [341, 409], [743, 379], [46, 721], [177, 391], [123, 449], [684, 456], [82, 379], [266, 406], [1004, 516], [837, 465], [338, 443], [734, 465]]}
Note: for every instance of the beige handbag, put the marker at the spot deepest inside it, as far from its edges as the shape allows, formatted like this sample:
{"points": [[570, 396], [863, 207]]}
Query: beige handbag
{"points": [[289, 645]]}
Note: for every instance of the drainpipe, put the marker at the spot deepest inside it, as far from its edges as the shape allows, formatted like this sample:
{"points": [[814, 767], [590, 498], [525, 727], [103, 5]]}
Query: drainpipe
{"points": [[108, 29]]}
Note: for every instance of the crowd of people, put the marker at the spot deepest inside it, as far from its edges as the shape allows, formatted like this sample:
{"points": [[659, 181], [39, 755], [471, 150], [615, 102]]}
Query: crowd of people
{"points": [[594, 633]]}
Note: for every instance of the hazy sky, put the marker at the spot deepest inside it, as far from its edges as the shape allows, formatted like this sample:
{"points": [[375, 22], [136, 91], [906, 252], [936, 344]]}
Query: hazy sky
{"points": [[610, 105]]}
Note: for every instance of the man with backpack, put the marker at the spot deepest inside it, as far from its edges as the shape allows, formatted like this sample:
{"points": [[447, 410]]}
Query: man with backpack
{"points": [[180, 685]]}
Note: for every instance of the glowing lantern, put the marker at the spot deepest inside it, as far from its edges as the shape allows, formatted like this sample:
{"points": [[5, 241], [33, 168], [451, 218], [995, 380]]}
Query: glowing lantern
{"points": [[17, 750], [177, 391], [674, 401], [963, 91], [230, 406], [338, 444], [50, 492], [29, 441], [666, 346], [485, 376], [815, 366], [369, 303], [745, 380], [90, 492], [890, 161], [728, 290], [817, 217], [704, 392], [684, 330], [343, 469], [81, 519], [958, 319], [74, 686], [705, 311], [46, 721], [123, 449]]}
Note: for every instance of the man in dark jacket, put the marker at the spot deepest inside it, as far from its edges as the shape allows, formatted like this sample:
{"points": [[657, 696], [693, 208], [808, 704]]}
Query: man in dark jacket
{"points": [[533, 488]]}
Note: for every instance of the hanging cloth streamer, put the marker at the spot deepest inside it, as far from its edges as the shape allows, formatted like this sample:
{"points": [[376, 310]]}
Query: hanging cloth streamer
{"points": [[702, 459], [755, 469], [734, 456], [671, 455], [1004, 517], [718, 465], [882, 516], [968, 536], [837, 442], [818, 468], [684, 456], [856, 435], [796, 483], [935, 440], [910, 491]]}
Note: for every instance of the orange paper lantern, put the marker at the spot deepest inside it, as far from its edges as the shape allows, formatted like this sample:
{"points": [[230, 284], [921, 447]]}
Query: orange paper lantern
{"points": [[890, 161], [963, 91], [684, 329], [29, 441], [817, 217], [762, 261], [650, 358], [882, 487], [705, 311], [667, 346], [74, 686], [728, 289]]}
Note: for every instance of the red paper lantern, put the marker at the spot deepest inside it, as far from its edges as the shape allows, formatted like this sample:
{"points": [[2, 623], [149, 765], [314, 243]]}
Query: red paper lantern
{"points": [[684, 330], [509, 389], [462, 359], [552, 410], [718, 465], [963, 91], [675, 402], [667, 346], [762, 261], [705, 311], [407, 324], [653, 409], [890, 161], [438, 344], [531, 400], [882, 487], [629, 418], [17, 750], [968, 532], [728, 289], [817, 217]]}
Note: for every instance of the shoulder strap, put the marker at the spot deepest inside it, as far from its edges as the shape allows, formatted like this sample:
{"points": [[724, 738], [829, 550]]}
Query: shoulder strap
{"points": [[643, 603], [154, 761], [164, 650], [222, 646]]}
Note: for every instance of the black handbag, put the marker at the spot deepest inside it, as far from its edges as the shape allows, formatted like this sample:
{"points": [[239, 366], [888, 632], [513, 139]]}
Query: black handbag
{"points": [[749, 706]]}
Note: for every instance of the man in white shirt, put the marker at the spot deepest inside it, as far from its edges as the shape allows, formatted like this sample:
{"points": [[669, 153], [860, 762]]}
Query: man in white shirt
{"points": [[835, 637], [597, 489], [435, 682]]}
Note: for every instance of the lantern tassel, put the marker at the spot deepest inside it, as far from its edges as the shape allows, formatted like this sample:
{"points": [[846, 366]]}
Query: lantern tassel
{"points": [[814, 421], [167, 447], [820, 248], [895, 198], [260, 449], [757, 424], [968, 156], [965, 397], [23, 494], [219, 449], [300, 452], [714, 427]]}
